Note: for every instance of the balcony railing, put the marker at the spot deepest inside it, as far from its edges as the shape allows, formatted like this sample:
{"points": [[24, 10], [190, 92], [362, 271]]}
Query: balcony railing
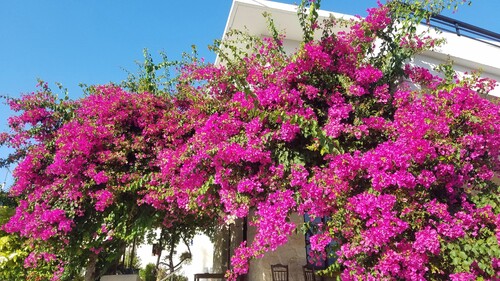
{"points": [[464, 29]]}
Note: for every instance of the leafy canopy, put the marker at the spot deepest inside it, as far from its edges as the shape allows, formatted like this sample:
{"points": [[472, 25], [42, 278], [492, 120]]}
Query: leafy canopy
{"points": [[401, 161]]}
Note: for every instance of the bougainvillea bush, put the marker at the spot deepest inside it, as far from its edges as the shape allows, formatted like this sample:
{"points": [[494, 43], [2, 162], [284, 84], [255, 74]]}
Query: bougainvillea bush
{"points": [[400, 161]]}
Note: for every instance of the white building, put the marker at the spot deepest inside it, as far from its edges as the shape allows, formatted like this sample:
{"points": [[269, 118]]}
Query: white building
{"points": [[466, 53], [470, 48]]}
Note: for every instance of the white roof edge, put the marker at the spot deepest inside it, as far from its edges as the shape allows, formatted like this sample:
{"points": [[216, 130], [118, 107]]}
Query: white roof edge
{"points": [[458, 48], [275, 7], [282, 7], [272, 7]]}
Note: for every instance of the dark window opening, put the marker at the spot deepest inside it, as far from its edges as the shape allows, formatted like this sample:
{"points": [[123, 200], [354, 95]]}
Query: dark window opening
{"points": [[313, 260]]}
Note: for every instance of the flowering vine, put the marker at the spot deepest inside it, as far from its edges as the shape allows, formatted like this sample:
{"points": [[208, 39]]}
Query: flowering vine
{"points": [[406, 175]]}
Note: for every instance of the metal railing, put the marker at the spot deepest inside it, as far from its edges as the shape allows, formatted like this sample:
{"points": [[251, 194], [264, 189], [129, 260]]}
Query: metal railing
{"points": [[464, 29]]}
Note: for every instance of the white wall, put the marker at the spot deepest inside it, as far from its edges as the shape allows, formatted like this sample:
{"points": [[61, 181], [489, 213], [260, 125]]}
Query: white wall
{"points": [[428, 61], [201, 248], [292, 254]]}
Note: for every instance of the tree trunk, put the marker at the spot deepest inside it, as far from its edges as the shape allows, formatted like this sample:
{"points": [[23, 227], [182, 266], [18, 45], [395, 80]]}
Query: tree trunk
{"points": [[90, 269], [171, 257], [132, 255], [160, 247]]}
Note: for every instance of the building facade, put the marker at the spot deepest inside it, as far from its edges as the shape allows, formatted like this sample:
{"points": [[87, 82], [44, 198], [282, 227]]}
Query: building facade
{"points": [[468, 47]]}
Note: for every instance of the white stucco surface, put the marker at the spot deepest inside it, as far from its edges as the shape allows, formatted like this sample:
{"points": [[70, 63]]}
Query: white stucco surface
{"points": [[292, 254]]}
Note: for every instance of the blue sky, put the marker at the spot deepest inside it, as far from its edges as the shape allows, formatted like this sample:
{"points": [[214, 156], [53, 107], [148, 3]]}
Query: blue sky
{"points": [[94, 41]]}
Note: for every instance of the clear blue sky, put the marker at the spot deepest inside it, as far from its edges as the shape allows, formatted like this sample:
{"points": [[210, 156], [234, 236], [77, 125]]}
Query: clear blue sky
{"points": [[93, 41]]}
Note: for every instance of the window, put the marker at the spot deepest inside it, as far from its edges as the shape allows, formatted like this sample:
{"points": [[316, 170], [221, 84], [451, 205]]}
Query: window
{"points": [[313, 260]]}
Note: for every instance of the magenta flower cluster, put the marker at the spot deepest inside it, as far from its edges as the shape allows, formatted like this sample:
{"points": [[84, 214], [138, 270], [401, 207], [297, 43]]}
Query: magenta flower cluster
{"points": [[403, 175]]}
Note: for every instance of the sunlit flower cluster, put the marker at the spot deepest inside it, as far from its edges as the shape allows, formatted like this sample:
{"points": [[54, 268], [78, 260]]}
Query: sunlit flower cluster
{"points": [[402, 175]]}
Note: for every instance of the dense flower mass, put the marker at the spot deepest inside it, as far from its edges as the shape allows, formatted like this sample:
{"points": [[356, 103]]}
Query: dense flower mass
{"points": [[405, 175]]}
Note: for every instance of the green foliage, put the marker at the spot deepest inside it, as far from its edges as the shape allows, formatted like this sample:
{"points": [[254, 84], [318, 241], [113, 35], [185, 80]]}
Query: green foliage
{"points": [[470, 252], [407, 15], [158, 78], [162, 275], [152, 77], [276, 35], [295, 156], [447, 70], [5, 213], [179, 278], [62, 110], [6, 200], [12, 251], [135, 264], [308, 18], [418, 10], [489, 197], [148, 273]]}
